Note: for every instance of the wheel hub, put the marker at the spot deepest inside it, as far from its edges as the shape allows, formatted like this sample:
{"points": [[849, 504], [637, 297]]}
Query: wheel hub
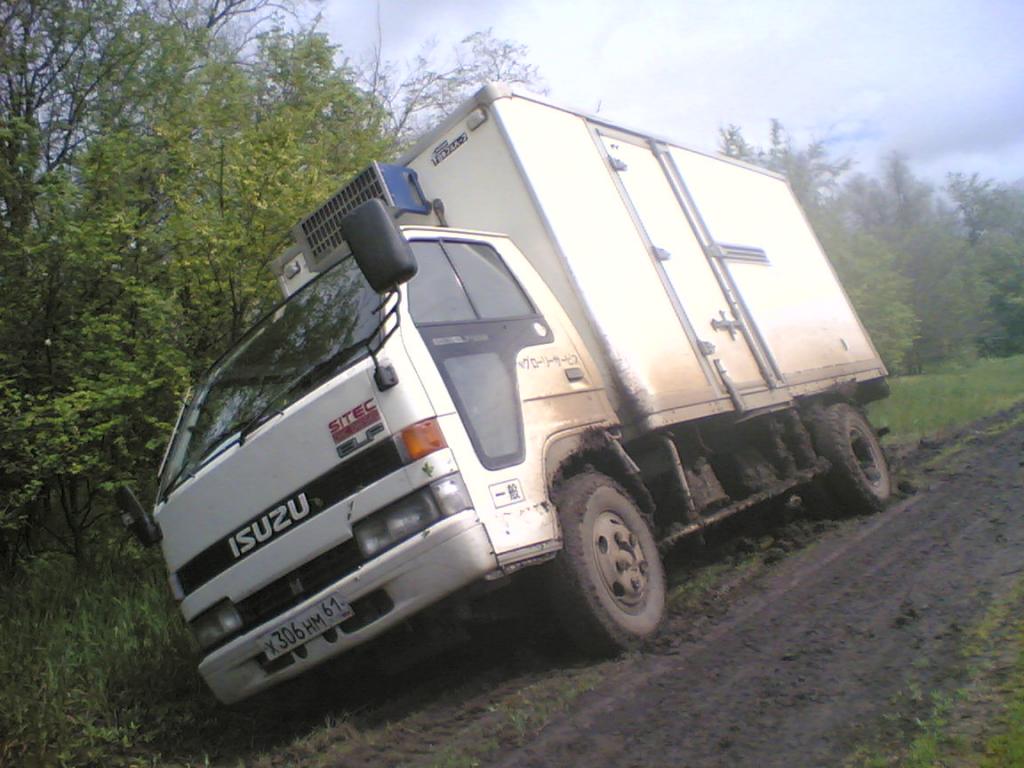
{"points": [[620, 560], [869, 462]]}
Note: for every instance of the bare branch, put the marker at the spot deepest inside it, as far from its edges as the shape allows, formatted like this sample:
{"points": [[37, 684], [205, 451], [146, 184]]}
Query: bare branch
{"points": [[431, 84]]}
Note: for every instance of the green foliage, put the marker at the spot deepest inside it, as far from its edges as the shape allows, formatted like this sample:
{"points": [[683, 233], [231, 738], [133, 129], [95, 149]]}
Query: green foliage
{"points": [[136, 230], [88, 368], [992, 218], [250, 151], [947, 290]]}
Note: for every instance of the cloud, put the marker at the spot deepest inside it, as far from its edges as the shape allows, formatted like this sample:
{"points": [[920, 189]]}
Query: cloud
{"points": [[936, 79]]}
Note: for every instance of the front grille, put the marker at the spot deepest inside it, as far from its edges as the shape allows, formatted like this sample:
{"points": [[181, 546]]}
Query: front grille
{"points": [[294, 587], [344, 480]]}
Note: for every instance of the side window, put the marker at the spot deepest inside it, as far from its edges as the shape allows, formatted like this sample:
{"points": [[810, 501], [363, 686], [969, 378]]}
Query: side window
{"points": [[487, 393], [435, 294], [462, 282], [492, 290]]}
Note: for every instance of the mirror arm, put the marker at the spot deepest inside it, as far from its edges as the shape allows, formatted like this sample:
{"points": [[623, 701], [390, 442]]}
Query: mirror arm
{"points": [[385, 376], [140, 523]]}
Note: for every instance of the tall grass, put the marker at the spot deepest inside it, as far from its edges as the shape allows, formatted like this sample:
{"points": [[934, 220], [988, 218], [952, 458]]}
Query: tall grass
{"points": [[934, 402], [1005, 749], [96, 663]]}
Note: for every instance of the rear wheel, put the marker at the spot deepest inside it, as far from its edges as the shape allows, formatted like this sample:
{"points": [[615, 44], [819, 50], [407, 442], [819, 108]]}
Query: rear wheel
{"points": [[608, 583], [859, 477]]}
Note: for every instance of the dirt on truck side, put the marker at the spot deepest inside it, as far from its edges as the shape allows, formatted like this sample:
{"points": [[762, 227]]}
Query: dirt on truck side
{"points": [[799, 640]]}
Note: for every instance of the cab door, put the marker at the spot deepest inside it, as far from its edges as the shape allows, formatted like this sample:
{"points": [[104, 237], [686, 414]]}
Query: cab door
{"points": [[515, 372]]}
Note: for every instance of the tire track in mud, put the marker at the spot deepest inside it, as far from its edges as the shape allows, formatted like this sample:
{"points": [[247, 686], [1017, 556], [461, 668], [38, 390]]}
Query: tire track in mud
{"points": [[814, 658]]}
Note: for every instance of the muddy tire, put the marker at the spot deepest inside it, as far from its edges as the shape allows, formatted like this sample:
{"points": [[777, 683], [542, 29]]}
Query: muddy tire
{"points": [[607, 586], [859, 480]]}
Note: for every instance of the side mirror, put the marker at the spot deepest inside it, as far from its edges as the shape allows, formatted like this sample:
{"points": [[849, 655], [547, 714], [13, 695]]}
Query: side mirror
{"points": [[380, 249], [136, 519]]}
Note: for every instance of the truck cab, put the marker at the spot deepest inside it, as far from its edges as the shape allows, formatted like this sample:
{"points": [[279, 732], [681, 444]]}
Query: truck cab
{"points": [[305, 508]]}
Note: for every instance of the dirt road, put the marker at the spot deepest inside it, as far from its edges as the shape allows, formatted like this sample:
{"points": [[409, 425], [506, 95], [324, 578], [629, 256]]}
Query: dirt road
{"points": [[803, 658], [811, 661]]}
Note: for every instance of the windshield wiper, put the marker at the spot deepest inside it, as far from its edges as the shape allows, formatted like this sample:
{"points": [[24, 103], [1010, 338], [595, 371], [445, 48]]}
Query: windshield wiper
{"points": [[221, 443], [310, 374], [173, 482], [242, 428]]}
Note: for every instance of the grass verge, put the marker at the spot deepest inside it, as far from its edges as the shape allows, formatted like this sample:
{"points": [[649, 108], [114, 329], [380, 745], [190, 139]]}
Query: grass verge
{"points": [[981, 723], [96, 666], [465, 728], [935, 402]]}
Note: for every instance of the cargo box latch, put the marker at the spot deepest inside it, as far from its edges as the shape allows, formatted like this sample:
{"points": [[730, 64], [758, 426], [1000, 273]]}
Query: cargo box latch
{"points": [[725, 324]]}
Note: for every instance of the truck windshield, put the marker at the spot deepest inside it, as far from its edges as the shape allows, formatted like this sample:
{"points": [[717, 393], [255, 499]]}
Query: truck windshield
{"points": [[314, 334]]}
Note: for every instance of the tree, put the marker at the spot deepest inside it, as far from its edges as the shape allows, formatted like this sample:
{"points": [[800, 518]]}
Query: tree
{"points": [[947, 292], [417, 94], [70, 73], [148, 170], [62, 61], [992, 217], [90, 375], [813, 175], [258, 147]]}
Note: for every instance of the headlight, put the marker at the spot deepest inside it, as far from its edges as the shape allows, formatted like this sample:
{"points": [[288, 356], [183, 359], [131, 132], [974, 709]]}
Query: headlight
{"points": [[393, 524], [408, 516], [216, 624]]}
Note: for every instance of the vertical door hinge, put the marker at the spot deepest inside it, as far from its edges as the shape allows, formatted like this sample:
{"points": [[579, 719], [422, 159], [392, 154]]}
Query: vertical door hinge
{"points": [[617, 164]]}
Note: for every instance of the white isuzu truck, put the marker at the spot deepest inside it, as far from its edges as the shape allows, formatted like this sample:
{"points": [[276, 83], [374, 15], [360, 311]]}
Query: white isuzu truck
{"points": [[537, 340]]}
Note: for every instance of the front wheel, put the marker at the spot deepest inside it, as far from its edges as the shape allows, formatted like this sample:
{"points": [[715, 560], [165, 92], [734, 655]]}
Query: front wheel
{"points": [[608, 583], [859, 477]]}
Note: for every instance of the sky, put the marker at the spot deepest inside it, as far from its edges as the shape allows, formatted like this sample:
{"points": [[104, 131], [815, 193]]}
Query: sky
{"points": [[940, 81]]}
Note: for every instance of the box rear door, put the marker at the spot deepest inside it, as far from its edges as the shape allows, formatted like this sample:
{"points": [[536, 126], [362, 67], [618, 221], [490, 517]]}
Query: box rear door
{"points": [[722, 332], [760, 237]]}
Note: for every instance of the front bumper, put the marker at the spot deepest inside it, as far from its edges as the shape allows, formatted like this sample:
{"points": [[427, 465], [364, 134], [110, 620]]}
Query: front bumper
{"points": [[449, 555]]}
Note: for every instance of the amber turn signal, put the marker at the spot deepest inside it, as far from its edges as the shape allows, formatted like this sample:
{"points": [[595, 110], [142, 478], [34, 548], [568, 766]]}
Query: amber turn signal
{"points": [[421, 439]]}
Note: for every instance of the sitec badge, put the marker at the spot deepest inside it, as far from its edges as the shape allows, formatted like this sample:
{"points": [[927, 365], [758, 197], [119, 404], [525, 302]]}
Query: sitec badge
{"points": [[356, 427]]}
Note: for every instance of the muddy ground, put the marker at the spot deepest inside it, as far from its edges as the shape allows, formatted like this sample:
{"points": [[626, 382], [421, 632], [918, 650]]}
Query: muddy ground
{"points": [[802, 642], [812, 661]]}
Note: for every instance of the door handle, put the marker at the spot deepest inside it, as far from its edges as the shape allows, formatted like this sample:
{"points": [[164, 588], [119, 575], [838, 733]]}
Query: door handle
{"points": [[723, 323]]}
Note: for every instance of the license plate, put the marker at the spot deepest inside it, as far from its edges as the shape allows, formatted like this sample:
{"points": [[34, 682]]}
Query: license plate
{"points": [[312, 622]]}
